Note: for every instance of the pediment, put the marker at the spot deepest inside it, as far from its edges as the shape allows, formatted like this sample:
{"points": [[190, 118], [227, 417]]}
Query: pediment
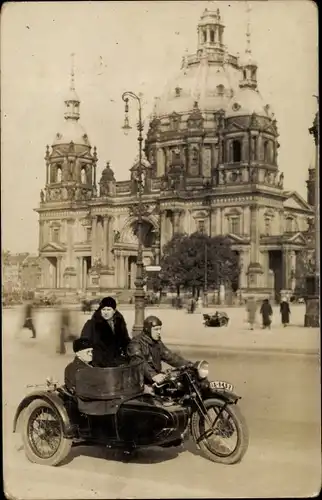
{"points": [[234, 127], [295, 201], [234, 238], [270, 129], [297, 238], [52, 247]]}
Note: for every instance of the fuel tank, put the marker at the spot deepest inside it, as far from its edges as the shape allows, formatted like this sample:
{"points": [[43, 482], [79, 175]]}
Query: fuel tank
{"points": [[145, 420]]}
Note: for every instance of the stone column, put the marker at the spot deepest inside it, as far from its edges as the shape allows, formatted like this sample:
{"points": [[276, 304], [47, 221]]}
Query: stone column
{"points": [[41, 234], [163, 229], [286, 269], [79, 273], [105, 240], [176, 221], [110, 243], [70, 234], [94, 237], [255, 269], [259, 147], [84, 280]]}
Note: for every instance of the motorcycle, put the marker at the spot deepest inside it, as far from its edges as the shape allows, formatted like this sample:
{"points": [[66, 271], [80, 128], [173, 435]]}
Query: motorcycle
{"points": [[217, 320], [54, 420]]}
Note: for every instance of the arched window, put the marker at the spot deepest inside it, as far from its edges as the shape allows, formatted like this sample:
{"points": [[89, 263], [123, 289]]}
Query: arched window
{"points": [[201, 226], [212, 35], [236, 151], [220, 89], [244, 74], [204, 33], [83, 176], [268, 151], [59, 174], [253, 74]]}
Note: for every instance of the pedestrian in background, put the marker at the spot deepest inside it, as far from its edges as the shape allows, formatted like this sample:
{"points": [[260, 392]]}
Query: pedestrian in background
{"points": [[251, 309], [28, 321], [285, 312], [267, 313], [64, 330]]}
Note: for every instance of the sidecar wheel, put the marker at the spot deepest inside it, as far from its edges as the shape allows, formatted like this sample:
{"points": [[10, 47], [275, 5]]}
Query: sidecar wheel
{"points": [[231, 422], [42, 434]]}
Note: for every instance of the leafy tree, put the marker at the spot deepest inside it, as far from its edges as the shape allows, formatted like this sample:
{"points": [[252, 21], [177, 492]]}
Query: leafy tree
{"points": [[184, 262]]}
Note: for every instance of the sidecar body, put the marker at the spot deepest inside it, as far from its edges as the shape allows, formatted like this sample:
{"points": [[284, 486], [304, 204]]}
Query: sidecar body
{"points": [[108, 407]]}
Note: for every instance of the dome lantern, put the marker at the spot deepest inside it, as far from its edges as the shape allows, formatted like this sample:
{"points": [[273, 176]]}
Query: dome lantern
{"points": [[211, 32]]}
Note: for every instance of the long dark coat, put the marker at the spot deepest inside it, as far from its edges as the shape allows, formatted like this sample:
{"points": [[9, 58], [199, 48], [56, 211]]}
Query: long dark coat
{"points": [[266, 312], [109, 348], [285, 312], [70, 372]]}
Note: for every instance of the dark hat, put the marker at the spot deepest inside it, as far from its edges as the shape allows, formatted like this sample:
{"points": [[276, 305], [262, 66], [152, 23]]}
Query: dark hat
{"points": [[81, 343], [149, 322], [107, 302]]}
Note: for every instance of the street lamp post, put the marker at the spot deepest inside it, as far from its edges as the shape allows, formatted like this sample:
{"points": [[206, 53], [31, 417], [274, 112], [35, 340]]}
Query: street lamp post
{"points": [[205, 291], [139, 294]]}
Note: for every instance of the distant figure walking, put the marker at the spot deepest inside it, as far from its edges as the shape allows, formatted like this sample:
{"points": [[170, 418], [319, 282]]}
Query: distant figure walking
{"points": [[192, 305], [267, 313], [285, 312], [28, 321], [251, 309], [64, 330]]}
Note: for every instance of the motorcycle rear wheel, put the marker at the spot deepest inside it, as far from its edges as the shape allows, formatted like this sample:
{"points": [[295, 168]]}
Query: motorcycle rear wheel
{"points": [[61, 445], [198, 429]]}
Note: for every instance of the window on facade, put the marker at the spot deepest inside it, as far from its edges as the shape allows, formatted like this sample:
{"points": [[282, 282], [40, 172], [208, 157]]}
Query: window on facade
{"points": [[88, 234], [253, 74], [204, 33], [289, 225], [201, 226], [59, 174], [220, 89], [55, 234], [212, 35], [236, 151], [244, 74], [268, 152], [234, 225]]}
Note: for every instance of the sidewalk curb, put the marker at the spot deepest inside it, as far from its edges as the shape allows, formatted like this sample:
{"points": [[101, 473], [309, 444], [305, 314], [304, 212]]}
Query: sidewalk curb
{"points": [[248, 350]]}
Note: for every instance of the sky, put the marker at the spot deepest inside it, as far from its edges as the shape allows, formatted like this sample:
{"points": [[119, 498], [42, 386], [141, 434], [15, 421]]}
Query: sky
{"points": [[135, 46]]}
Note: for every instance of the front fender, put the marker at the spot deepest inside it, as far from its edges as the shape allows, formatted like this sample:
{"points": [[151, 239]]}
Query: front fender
{"points": [[224, 395], [55, 401]]}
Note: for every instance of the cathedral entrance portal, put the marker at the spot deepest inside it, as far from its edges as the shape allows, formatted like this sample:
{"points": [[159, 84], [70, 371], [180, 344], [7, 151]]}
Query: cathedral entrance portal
{"points": [[276, 265], [127, 248]]}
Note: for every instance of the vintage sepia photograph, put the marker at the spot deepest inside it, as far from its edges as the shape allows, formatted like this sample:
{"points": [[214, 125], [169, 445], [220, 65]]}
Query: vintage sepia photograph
{"points": [[160, 249]]}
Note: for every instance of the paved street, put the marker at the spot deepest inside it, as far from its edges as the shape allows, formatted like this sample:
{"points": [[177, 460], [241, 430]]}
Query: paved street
{"points": [[281, 402]]}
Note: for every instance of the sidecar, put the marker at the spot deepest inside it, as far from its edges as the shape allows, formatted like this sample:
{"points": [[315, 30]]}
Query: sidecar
{"points": [[216, 320], [108, 407]]}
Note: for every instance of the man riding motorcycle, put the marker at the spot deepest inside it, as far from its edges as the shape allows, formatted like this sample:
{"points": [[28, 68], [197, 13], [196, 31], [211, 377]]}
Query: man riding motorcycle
{"points": [[149, 348]]}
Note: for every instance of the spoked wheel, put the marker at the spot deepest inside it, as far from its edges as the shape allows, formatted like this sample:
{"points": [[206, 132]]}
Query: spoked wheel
{"points": [[42, 434], [222, 436]]}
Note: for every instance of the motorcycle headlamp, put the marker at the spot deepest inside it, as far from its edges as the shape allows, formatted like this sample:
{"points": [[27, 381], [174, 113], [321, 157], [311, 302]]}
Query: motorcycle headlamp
{"points": [[203, 369]]}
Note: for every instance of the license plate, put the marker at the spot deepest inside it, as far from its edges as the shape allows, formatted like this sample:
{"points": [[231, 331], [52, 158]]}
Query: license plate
{"points": [[219, 384]]}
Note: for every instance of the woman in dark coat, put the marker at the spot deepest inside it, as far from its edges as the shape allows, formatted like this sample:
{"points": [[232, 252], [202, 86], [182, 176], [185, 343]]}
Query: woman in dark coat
{"points": [[285, 312], [107, 333], [266, 312]]}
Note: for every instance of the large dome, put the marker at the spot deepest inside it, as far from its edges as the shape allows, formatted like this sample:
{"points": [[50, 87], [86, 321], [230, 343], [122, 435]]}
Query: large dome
{"points": [[71, 131], [207, 83], [246, 102]]}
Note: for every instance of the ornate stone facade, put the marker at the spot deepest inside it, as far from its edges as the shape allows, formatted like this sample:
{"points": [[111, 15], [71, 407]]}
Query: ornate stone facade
{"points": [[211, 164]]}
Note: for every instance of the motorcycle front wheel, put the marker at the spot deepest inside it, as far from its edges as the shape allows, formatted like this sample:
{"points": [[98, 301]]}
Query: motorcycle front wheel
{"points": [[214, 441]]}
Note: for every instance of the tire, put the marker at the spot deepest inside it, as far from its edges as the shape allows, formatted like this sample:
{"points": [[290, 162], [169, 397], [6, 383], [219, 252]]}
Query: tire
{"points": [[241, 427], [63, 448]]}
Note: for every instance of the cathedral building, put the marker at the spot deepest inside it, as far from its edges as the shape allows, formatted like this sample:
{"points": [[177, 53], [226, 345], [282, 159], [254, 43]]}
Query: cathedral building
{"points": [[210, 164]]}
